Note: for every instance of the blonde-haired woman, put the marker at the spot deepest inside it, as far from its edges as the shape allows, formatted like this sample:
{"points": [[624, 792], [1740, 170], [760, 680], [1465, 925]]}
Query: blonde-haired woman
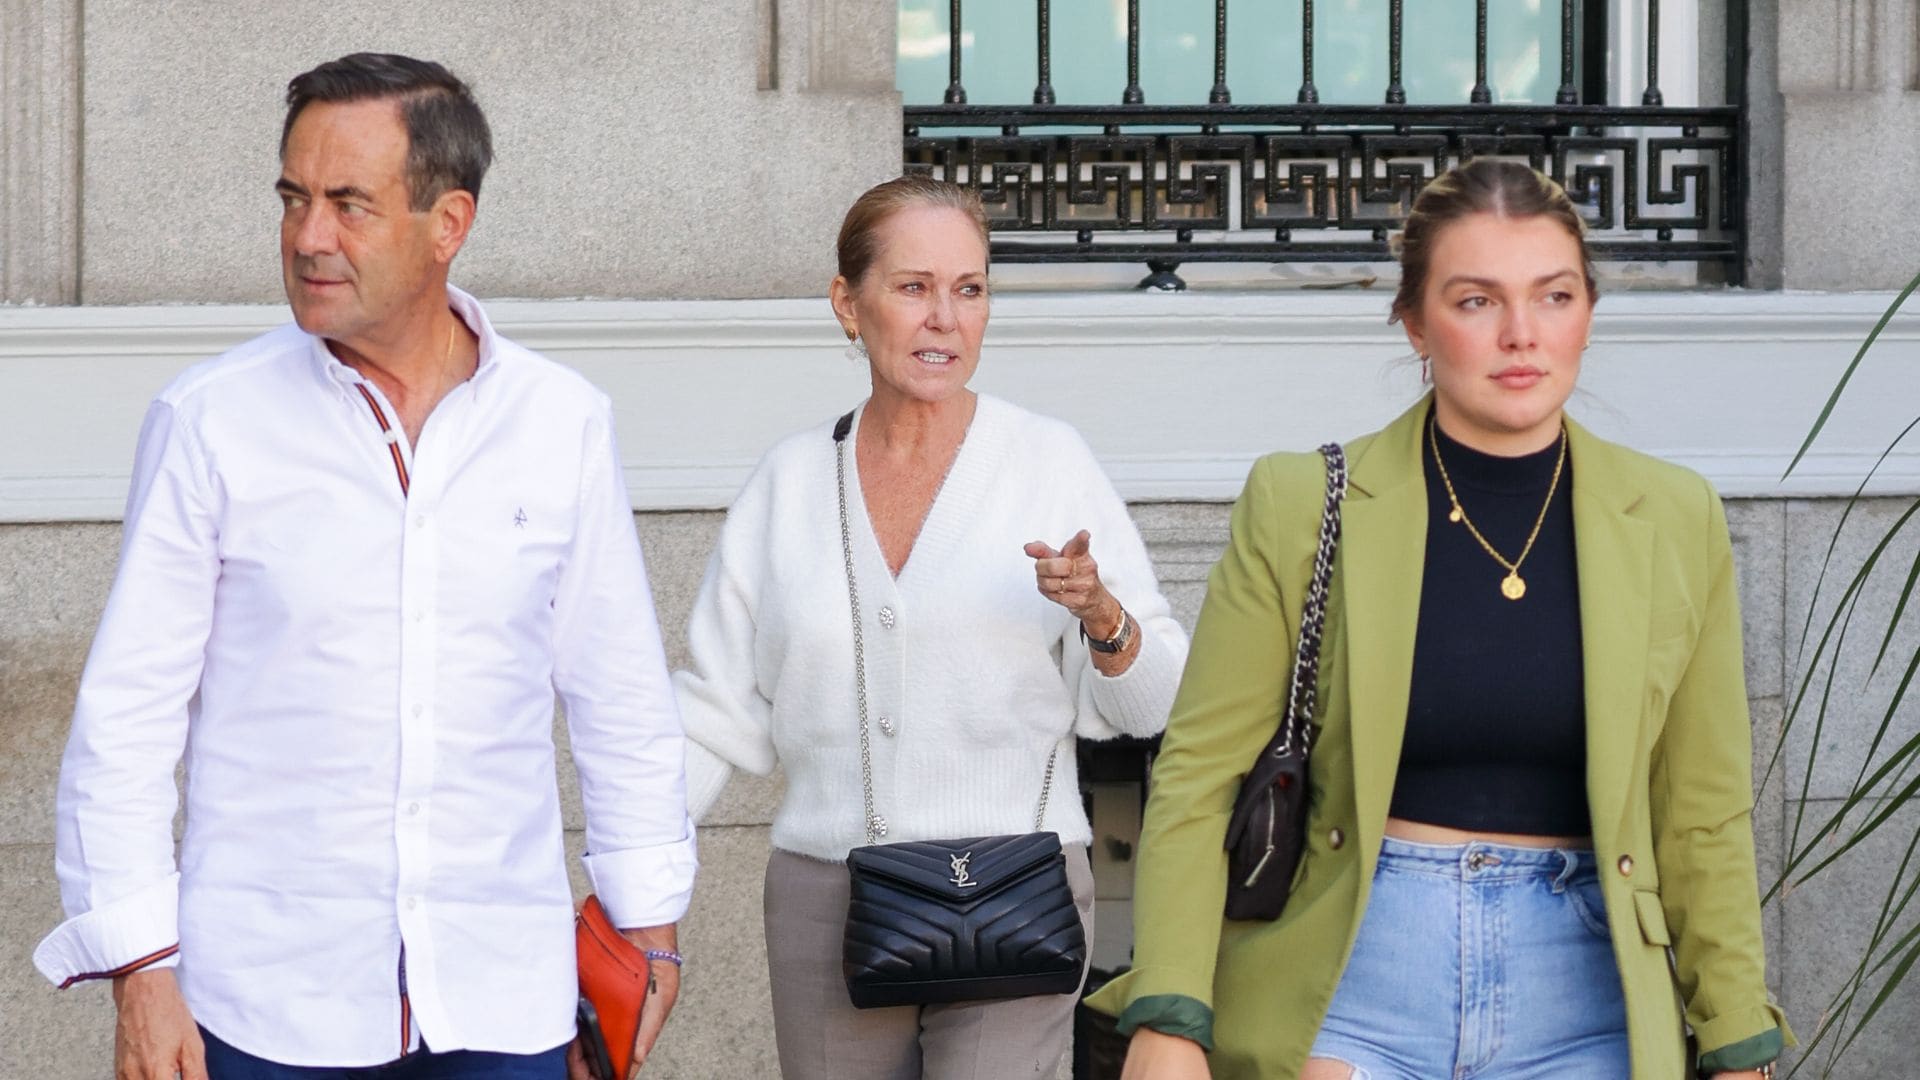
{"points": [[1529, 829], [992, 639]]}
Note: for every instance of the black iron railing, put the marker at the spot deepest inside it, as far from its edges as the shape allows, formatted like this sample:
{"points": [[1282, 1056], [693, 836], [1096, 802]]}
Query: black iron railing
{"points": [[1311, 182]]}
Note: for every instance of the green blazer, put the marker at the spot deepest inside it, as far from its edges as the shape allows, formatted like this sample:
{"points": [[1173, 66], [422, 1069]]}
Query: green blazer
{"points": [[1668, 759]]}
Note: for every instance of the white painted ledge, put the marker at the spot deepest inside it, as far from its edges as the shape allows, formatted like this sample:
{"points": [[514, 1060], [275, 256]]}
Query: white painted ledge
{"points": [[1178, 394]]}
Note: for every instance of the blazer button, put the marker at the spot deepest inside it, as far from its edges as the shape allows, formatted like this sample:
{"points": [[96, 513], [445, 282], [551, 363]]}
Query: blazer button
{"points": [[1626, 865], [1336, 839]]}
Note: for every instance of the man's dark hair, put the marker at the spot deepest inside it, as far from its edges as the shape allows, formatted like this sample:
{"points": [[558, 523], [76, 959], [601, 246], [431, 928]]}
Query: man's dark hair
{"points": [[448, 144]]}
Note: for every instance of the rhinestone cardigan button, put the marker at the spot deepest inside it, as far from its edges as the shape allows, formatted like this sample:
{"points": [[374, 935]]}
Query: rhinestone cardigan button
{"points": [[886, 617]]}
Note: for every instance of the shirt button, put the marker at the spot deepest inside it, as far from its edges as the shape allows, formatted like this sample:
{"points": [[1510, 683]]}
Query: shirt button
{"points": [[419, 616], [1626, 865], [418, 709], [1336, 839], [419, 521], [412, 902], [886, 617], [413, 808]]}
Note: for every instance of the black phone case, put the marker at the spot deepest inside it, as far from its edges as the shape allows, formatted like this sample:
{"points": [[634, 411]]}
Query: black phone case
{"points": [[592, 1043]]}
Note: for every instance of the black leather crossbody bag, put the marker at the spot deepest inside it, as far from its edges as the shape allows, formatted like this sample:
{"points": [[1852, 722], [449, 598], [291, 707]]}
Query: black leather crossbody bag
{"points": [[1268, 826], [937, 921]]}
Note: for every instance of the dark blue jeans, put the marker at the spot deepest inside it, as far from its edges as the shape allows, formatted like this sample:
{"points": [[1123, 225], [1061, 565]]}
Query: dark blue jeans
{"points": [[226, 1063]]}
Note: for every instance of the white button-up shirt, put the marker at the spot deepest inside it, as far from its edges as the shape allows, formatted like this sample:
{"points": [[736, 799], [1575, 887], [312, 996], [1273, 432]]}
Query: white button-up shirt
{"points": [[363, 683]]}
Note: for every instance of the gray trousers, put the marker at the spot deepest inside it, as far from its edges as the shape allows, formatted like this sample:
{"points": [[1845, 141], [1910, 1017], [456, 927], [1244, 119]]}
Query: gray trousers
{"points": [[821, 1036]]}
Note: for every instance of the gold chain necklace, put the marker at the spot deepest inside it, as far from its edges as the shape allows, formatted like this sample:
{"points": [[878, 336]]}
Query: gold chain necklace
{"points": [[1513, 587]]}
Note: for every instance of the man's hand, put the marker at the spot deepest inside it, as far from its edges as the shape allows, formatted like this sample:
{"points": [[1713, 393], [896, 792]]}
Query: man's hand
{"points": [[662, 992], [155, 1037]]}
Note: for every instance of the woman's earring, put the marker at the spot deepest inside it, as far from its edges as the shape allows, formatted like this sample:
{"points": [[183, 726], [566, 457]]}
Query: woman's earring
{"points": [[1426, 371], [857, 350]]}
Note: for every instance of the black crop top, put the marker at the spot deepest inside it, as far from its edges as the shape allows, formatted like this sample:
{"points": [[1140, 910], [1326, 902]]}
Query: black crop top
{"points": [[1496, 717]]}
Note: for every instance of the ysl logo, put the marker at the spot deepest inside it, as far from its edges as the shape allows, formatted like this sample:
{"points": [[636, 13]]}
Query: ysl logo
{"points": [[960, 877], [520, 518]]}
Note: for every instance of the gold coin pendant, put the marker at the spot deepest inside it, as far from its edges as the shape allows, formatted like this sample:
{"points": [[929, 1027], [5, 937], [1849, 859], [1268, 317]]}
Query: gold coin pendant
{"points": [[1512, 587], [1454, 515]]}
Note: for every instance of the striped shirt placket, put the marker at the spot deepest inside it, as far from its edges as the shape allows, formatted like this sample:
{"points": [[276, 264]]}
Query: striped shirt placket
{"points": [[392, 433], [416, 564]]}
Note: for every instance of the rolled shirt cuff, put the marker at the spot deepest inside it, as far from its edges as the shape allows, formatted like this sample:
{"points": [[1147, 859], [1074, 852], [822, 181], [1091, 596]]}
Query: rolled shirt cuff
{"points": [[136, 931], [648, 886]]}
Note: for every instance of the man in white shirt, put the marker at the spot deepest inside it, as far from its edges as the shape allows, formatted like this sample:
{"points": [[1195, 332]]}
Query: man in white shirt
{"points": [[361, 555]]}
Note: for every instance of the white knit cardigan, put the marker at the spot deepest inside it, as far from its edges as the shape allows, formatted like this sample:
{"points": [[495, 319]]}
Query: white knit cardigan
{"points": [[977, 675]]}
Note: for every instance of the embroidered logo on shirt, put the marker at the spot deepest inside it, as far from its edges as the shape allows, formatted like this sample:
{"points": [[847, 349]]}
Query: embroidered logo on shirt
{"points": [[520, 518]]}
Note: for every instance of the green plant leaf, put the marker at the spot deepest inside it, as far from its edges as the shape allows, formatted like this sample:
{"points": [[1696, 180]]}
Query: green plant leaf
{"points": [[1840, 388]]}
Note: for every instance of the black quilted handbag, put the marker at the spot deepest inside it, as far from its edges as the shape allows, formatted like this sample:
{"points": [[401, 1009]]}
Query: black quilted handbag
{"points": [[936, 921], [1267, 829], [959, 920]]}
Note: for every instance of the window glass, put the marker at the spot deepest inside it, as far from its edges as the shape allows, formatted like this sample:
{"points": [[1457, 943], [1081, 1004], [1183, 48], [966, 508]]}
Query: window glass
{"points": [[1089, 51]]}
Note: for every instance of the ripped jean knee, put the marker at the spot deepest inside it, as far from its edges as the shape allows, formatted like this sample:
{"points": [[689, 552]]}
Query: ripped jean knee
{"points": [[1353, 1072]]}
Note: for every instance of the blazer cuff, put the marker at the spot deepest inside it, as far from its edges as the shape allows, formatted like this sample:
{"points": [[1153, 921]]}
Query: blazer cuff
{"points": [[1746, 1039], [139, 930], [649, 886], [1748, 1053], [1167, 1000], [1170, 1014]]}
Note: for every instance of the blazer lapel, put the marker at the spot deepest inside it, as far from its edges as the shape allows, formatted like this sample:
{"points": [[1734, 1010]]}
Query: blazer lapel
{"points": [[1614, 553], [1381, 562]]}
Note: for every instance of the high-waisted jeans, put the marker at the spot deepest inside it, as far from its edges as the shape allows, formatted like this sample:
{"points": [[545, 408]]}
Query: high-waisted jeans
{"points": [[1480, 960]]}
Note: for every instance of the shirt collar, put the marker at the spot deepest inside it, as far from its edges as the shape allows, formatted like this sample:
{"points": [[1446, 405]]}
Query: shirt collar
{"points": [[463, 305]]}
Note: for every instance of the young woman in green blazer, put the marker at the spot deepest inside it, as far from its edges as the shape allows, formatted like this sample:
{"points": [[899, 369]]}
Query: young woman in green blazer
{"points": [[1528, 844]]}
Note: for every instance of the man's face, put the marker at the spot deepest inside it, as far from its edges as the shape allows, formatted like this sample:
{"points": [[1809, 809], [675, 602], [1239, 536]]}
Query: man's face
{"points": [[354, 254]]}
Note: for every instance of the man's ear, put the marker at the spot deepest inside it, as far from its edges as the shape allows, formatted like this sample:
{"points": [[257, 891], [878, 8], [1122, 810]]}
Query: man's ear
{"points": [[453, 213]]}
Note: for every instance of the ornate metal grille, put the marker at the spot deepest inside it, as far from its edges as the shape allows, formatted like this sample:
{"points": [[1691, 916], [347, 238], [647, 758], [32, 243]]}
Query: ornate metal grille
{"points": [[1312, 182]]}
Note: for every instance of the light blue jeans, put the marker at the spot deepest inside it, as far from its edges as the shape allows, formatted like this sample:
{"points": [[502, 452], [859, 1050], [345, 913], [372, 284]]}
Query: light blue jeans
{"points": [[1484, 961]]}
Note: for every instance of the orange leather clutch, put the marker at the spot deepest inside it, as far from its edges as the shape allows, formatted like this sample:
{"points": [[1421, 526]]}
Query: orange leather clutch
{"points": [[614, 980]]}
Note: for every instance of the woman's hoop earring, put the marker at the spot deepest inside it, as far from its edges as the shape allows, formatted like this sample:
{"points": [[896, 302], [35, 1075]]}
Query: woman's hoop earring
{"points": [[857, 350]]}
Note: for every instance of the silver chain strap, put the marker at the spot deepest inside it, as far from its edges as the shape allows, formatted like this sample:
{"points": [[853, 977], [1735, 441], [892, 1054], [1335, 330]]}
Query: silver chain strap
{"points": [[1313, 616], [877, 825]]}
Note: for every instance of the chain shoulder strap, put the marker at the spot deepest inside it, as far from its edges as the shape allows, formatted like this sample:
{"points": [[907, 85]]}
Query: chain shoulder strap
{"points": [[1304, 687], [876, 825]]}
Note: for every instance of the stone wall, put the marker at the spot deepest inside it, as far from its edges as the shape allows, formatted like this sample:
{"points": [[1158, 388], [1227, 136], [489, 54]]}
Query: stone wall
{"points": [[53, 583], [641, 149], [1847, 76]]}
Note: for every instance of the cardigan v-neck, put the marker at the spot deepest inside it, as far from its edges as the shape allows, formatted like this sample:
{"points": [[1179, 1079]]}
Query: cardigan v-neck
{"points": [[963, 488]]}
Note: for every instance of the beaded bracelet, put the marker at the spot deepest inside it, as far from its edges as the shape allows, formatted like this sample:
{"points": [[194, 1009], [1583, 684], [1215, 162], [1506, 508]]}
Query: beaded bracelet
{"points": [[668, 955]]}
